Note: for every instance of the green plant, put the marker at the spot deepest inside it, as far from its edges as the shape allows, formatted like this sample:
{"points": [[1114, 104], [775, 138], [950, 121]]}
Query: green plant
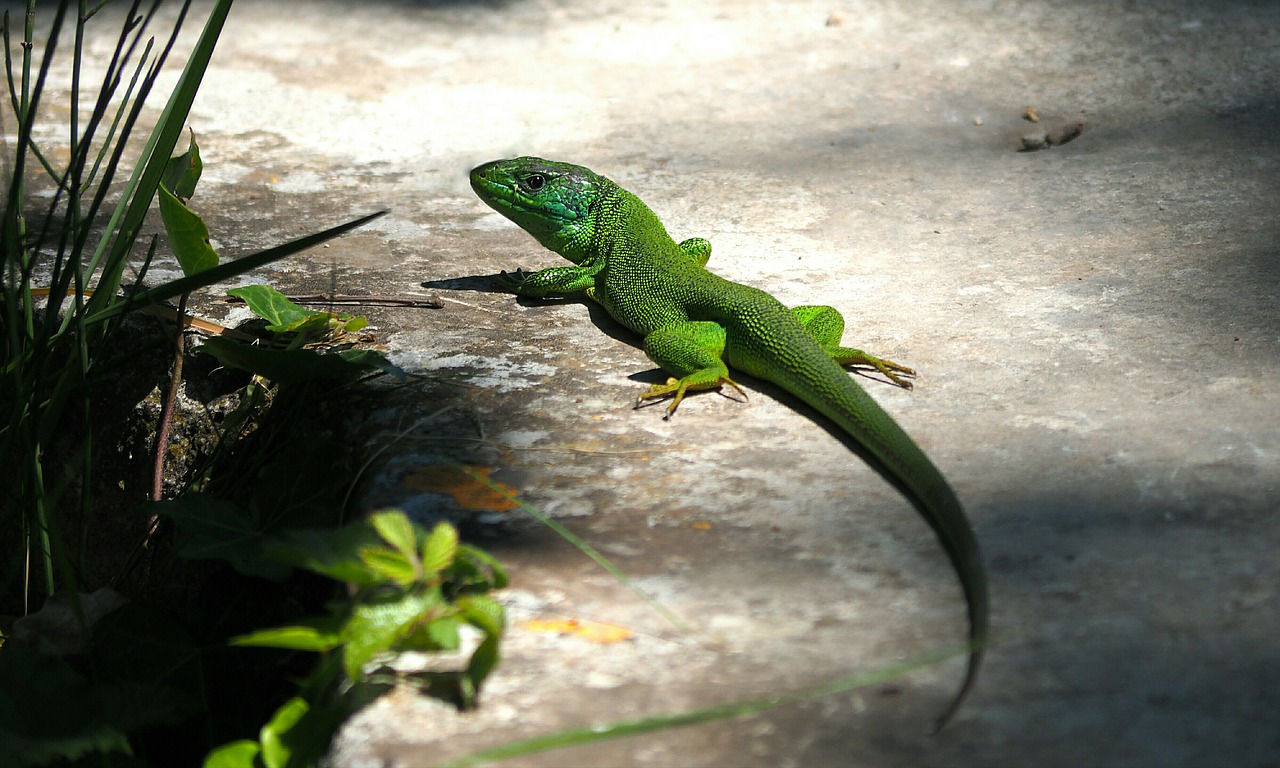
{"points": [[126, 679], [299, 332], [63, 264], [140, 668], [410, 590]]}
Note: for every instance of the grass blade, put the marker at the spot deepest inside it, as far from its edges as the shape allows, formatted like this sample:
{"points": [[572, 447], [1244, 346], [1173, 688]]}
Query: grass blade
{"points": [[225, 271], [141, 188], [591, 734]]}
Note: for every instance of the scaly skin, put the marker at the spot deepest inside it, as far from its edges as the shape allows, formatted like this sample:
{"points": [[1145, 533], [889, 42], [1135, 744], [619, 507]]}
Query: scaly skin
{"points": [[695, 322]]}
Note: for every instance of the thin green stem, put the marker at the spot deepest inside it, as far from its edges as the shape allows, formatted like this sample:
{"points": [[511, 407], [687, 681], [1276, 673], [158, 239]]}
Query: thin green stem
{"points": [[595, 733], [170, 401], [41, 534]]}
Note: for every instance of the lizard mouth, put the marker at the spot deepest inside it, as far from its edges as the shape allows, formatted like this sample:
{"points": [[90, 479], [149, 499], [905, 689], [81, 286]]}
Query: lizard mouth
{"points": [[489, 188], [502, 193]]}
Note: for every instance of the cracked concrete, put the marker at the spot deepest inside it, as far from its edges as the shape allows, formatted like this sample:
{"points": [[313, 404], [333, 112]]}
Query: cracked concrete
{"points": [[1095, 326]]}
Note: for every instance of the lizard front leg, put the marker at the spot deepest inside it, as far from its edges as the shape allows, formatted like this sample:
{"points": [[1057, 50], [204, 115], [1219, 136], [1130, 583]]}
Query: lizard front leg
{"points": [[691, 351], [826, 326], [555, 281]]}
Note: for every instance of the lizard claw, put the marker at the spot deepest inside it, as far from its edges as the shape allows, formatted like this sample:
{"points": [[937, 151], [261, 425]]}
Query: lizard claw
{"points": [[734, 384], [512, 281], [892, 370], [677, 389], [895, 373]]}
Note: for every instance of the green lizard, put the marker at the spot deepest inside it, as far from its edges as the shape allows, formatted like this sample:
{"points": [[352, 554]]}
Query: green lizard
{"points": [[696, 324]]}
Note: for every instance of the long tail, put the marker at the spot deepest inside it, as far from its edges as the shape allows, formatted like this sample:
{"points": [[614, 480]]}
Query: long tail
{"points": [[891, 452]]}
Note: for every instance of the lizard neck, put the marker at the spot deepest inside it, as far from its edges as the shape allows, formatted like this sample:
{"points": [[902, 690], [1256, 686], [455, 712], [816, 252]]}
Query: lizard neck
{"points": [[628, 230]]}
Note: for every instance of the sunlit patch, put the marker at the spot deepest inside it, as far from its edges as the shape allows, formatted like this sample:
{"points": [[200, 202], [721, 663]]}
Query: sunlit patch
{"points": [[591, 631], [468, 491]]}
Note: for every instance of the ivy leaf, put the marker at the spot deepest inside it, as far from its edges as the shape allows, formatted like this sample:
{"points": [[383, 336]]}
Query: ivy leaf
{"points": [[371, 360], [294, 366], [209, 528], [49, 713], [188, 235], [332, 553], [478, 570], [183, 171], [282, 315], [439, 634]]}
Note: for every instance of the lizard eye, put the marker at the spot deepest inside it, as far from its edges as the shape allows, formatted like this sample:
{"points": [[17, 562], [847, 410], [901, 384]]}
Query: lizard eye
{"points": [[535, 182]]}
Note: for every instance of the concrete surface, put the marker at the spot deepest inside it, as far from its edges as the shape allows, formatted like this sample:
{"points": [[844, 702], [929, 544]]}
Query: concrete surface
{"points": [[1096, 328]]}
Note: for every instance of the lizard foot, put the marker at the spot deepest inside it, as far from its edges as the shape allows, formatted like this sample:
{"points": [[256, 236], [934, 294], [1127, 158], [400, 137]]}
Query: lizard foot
{"points": [[896, 374], [891, 370], [511, 281], [676, 388]]}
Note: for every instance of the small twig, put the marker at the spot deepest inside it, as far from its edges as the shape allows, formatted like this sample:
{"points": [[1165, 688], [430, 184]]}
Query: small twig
{"points": [[467, 304], [373, 301], [189, 321]]}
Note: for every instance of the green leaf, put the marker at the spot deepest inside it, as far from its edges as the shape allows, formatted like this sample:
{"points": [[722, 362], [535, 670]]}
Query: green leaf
{"points": [[483, 613], [440, 549], [209, 528], [476, 568], [293, 366], [277, 749], [300, 484], [389, 564], [282, 315], [483, 661], [188, 235], [443, 634], [183, 171], [237, 754], [376, 627], [142, 642], [397, 530], [372, 360], [299, 733], [320, 633], [313, 325], [333, 552], [135, 200], [439, 634]]}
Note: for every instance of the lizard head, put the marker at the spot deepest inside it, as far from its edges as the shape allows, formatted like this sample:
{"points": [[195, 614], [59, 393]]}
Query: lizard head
{"points": [[549, 200]]}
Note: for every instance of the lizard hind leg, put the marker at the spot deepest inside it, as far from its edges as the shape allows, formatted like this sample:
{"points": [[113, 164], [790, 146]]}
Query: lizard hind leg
{"points": [[826, 326], [691, 352]]}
